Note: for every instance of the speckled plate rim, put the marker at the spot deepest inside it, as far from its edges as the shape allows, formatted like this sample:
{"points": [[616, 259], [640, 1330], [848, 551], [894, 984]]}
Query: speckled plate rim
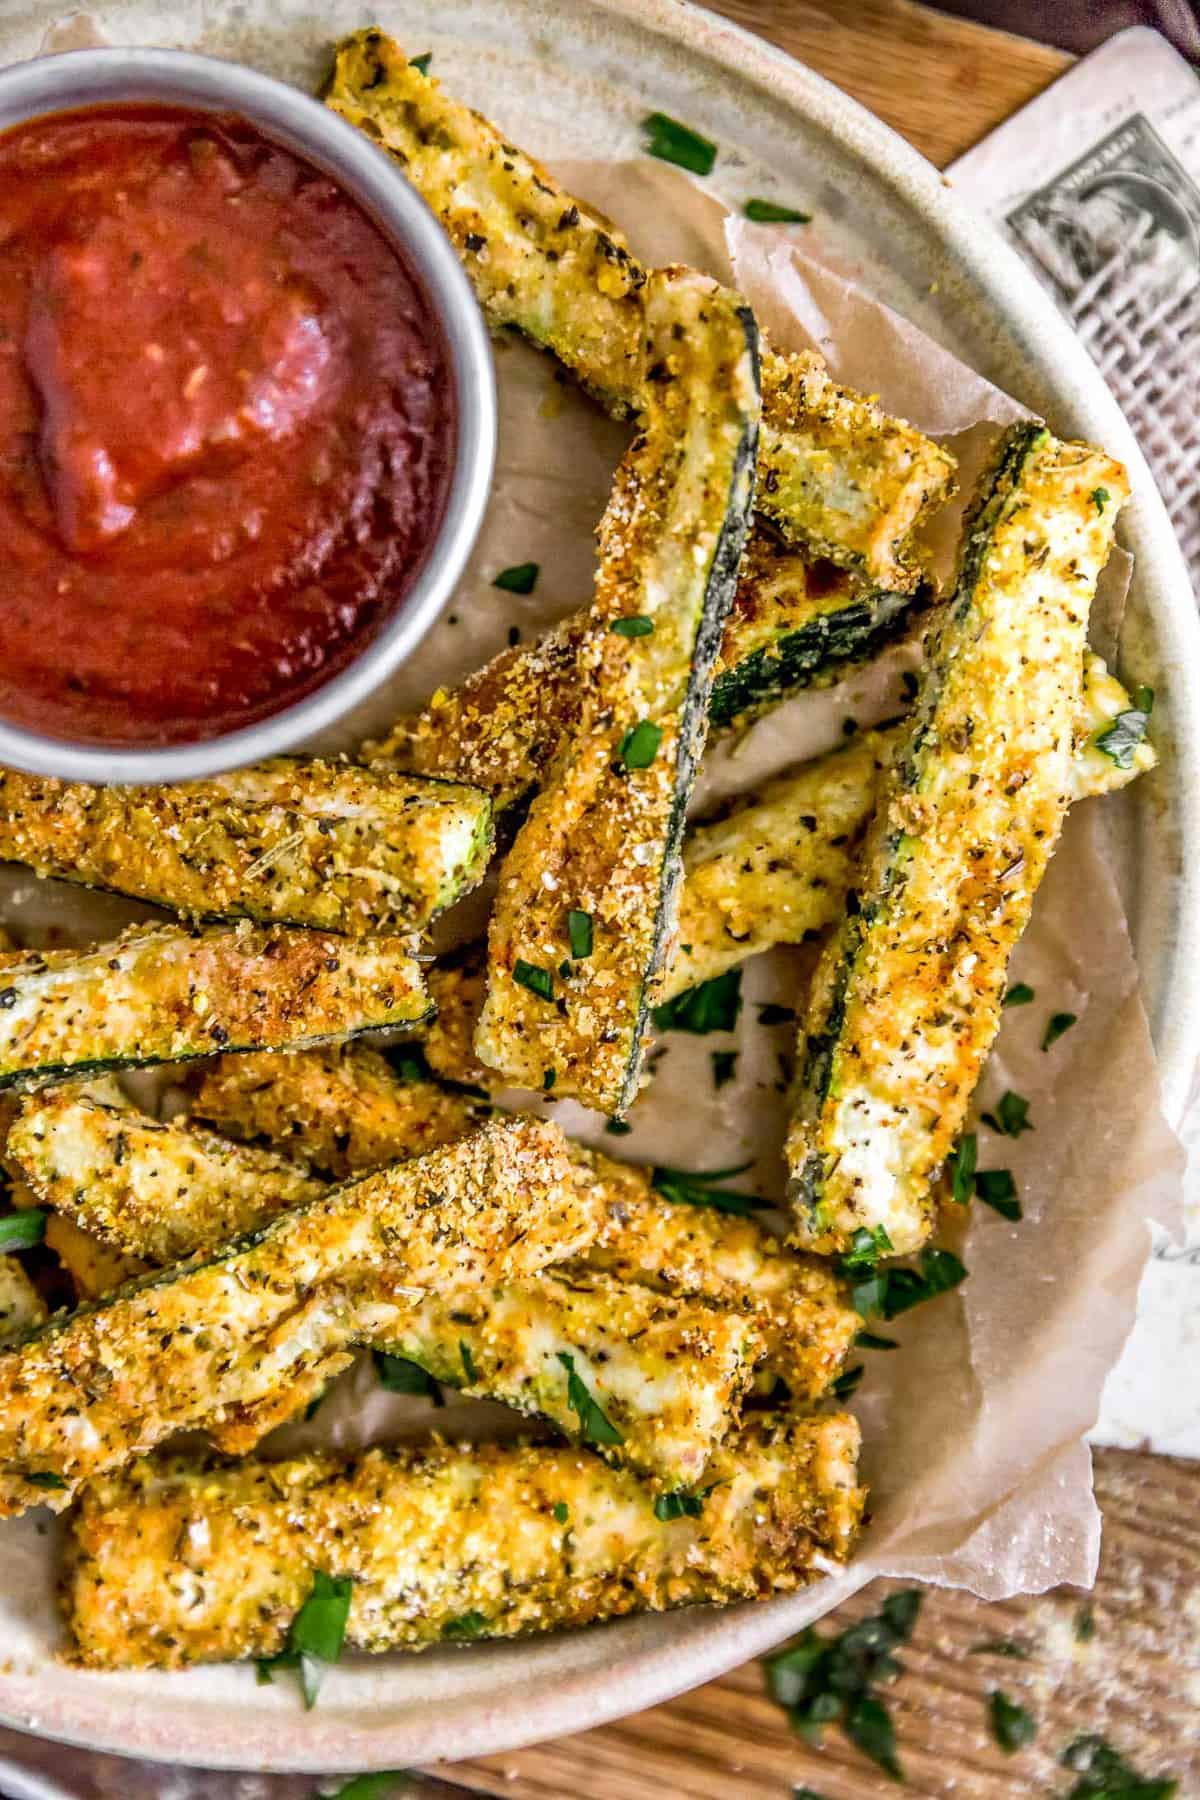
{"points": [[1053, 372]]}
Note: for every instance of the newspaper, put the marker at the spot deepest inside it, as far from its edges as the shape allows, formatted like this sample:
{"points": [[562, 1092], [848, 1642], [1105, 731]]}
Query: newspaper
{"points": [[1097, 184]]}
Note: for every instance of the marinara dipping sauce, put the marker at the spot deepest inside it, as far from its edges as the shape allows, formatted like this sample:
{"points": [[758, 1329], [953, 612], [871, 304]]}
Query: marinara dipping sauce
{"points": [[226, 426]]}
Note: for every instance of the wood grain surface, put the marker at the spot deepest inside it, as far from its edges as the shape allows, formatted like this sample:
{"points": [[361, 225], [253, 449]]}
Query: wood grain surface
{"points": [[943, 83]]}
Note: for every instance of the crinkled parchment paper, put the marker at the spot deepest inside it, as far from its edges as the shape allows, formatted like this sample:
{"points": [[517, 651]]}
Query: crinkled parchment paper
{"points": [[974, 1428]]}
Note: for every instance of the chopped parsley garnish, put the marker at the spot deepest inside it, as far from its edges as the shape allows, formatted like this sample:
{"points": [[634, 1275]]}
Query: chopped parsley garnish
{"points": [[845, 1384], [408, 1063], [1121, 740], [520, 579], [466, 1625], [890, 1292], [694, 1188], [316, 1634], [1105, 1775], [468, 1361], [314, 1406], [549, 1077], [1099, 498], [618, 1128], [866, 1248], [679, 1505], [962, 1167], [388, 1784], [822, 1681], [1085, 1625], [724, 1066], [634, 625], [400, 1376], [538, 981], [579, 932], [1001, 1647], [1011, 1116], [869, 1340], [562, 1511], [45, 1478], [594, 1424], [1020, 994], [1056, 1025], [1013, 1726], [21, 1230], [672, 142], [639, 747], [769, 212], [712, 1006], [997, 1189], [771, 1014]]}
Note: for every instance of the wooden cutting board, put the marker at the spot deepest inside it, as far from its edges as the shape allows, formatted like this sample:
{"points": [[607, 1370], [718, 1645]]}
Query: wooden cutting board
{"points": [[943, 84]]}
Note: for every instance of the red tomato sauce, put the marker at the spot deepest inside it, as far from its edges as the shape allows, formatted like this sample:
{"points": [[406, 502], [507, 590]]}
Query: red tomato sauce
{"points": [[226, 426]]}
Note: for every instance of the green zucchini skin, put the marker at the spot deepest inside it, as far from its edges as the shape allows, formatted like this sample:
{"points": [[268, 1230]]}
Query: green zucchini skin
{"points": [[292, 841], [605, 829], [165, 994], [906, 998]]}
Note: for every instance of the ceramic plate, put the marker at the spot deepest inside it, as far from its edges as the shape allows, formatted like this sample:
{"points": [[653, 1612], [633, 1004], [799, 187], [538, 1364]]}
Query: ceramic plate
{"points": [[576, 80]]}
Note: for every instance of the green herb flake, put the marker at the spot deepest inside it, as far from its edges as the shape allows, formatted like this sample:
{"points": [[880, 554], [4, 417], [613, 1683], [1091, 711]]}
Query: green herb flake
{"points": [[618, 1128], [634, 625], [890, 1292], [870, 1340], [997, 1189], [579, 932], [538, 981], [679, 1505], [1121, 740], [771, 1014], [724, 1067], [1099, 498], [846, 1383], [962, 1168], [712, 1006], [562, 1511], [45, 1478], [822, 1681], [672, 142], [639, 747], [1020, 994], [21, 1230], [466, 1625], [594, 1424], [1013, 1726], [686, 1187], [1011, 1116], [400, 1376], [422, 62], [388, 1784], [549, 1077], [1085, 1625], [314, 1406], [769, 212], [1105, 1775], [1056, 1025], [866, 1248], [316, 1635], [1001, 1647], [520, 579], [468, 1362]]}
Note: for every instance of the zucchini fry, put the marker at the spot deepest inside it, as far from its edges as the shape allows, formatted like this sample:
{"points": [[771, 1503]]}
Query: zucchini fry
{"points": [[288, 842], [642, 1238], [165, 994], [94, 1388], [838, 475], [213, 1563], [793, 624], [21, 1306], [601, 842], [907, 995], [668, 1374]]}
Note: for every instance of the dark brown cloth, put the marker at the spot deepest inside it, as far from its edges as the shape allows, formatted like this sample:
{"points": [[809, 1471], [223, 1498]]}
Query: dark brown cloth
{"points": [[1080, 25]]}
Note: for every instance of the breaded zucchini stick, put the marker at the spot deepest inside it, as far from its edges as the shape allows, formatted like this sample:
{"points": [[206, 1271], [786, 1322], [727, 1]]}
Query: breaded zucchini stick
{"points": [[166, 994], [96, 1387], [213, 1563], [837, 474], [289, 842], [588, 894], [907, 996], [667, 1374], [805, 1326]]}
